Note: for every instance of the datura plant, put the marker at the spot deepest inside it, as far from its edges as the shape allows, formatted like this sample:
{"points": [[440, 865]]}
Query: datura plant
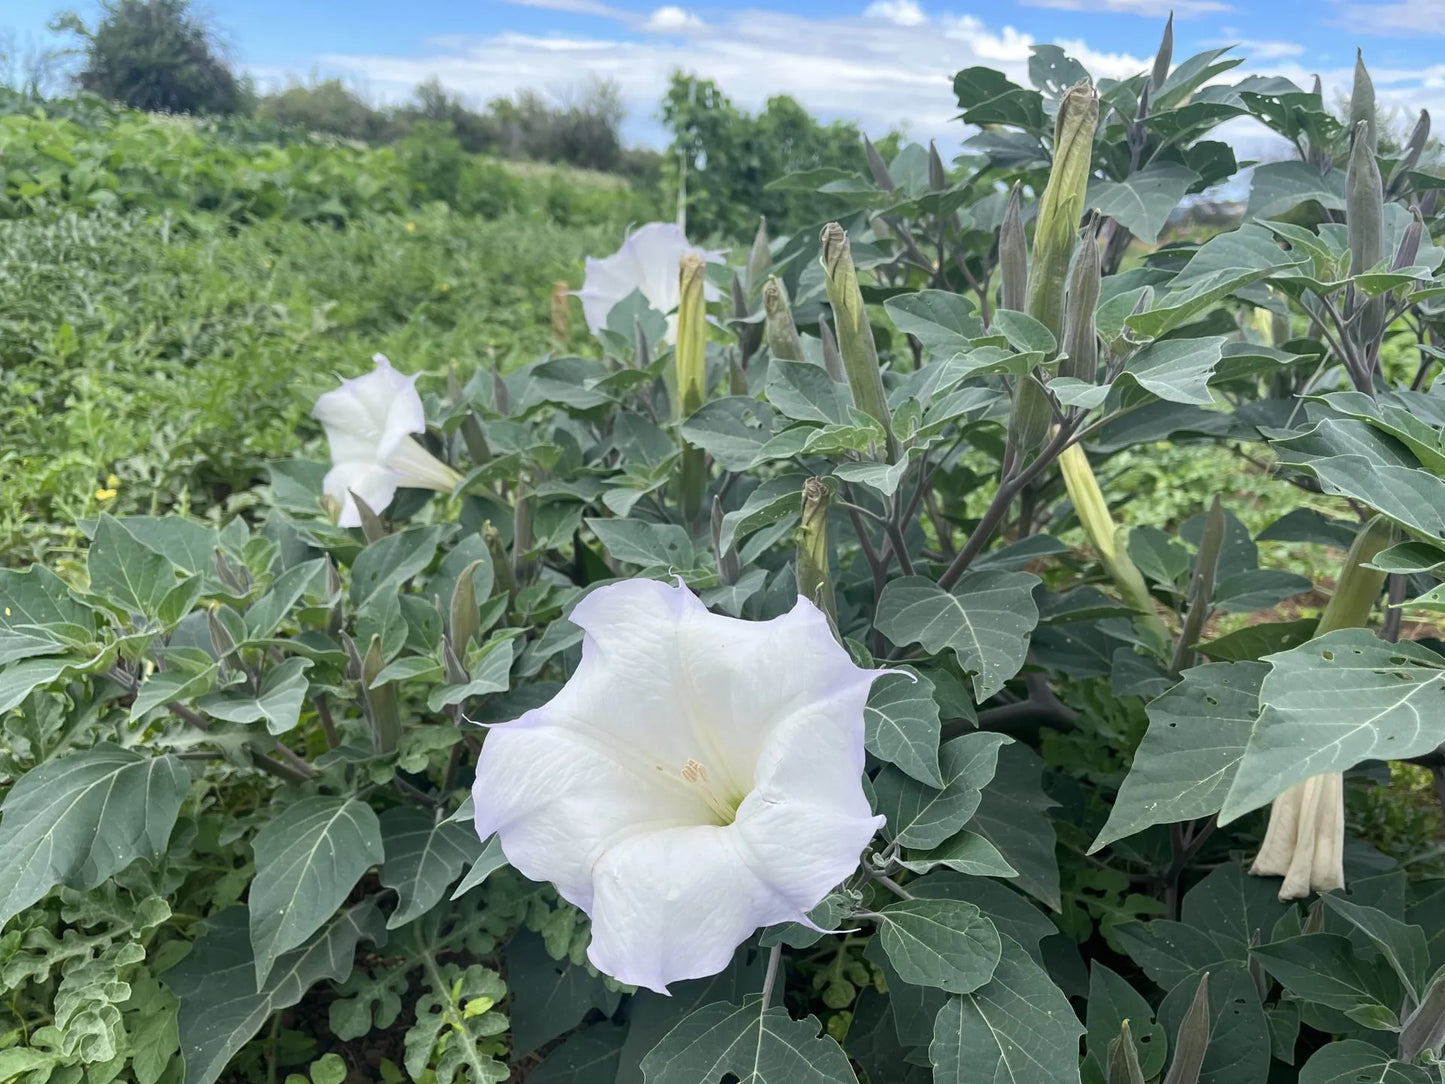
{"points": [[794, 689]]}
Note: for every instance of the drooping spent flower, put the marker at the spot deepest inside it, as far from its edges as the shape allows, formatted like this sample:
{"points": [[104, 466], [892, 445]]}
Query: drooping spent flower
{"points": [[697, 778], [1305, 841], [369, 423], [649, 261]]}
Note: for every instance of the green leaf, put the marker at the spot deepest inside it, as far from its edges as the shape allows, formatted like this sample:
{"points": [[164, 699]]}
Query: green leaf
{"points": [[986, 620], [883, 477], [584, 1057], [125, 571], [967, 852], [549, 997], [1111, 1001], [266, 614], [1185, 765], [805, 392], [82, 818], [1009, 911], [758, 1046], [1401, 943], [1257, 589], [945, 323], [1142, 202], [1013, 816], [1177, 370], [283, 691], [1255, 641], [922, 816], [222, 1007], [1277, 187], [732, 430], [945, 944], [647, 545], [1356, 1062], [1024, 333], [773, 501], [423, 858], [308, 859], [488, 862], [1018, 1028], [388, 563], [1341, 699], [21, 679], [1325, 968], [37, 613], [902, 725]]}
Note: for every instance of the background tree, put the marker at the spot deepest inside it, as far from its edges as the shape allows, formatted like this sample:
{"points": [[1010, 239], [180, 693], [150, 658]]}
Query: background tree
{"points": [[155, 55]]}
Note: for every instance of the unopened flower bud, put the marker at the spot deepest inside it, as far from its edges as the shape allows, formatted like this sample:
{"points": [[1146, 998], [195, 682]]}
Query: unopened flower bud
{"points": [[937, 175], [783, 341], [1409, 242], [832, 359], [1123, 1060], [1365, 221], [1362, 104], [814, 579], [759, 258], [1081, 340], [855, 334], [727, 560], [1164, 57], [1062, 205], [691, 358], [1414, 146], [877, 167], [1013, 255]]}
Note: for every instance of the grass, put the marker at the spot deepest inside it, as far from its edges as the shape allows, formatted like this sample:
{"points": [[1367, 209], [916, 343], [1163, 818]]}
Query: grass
{"points": [[180, 355]]}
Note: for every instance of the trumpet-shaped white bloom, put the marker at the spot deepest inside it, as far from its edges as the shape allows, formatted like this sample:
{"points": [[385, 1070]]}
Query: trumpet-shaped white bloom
{"points": [[369, 422], [649, 261], [698, 777], [1305, 841]]}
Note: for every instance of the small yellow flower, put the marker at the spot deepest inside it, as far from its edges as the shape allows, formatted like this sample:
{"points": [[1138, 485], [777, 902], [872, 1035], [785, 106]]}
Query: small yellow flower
{"points": [[445, 287], [411, 227], [104, 494], [108, 491], [269, 264], [112, 482]]}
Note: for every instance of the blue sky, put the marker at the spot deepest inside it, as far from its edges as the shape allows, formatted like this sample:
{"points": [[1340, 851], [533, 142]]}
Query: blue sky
{"points": [[884, 63]]}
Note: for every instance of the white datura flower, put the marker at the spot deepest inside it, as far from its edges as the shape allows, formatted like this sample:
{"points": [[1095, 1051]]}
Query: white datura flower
{"points": [[369, 423], [1305, 841], [649, 261], [697, 778]]}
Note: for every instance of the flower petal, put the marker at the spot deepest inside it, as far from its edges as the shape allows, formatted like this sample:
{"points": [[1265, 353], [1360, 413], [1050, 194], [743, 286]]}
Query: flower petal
{"points": [[675, 905], [371, 482], [557, 803], [649, 261], [417, 468], [807, 820], [663, 674]]}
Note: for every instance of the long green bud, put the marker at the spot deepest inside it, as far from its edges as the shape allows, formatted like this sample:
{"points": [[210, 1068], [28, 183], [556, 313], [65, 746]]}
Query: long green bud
{"points": [[783, 340], [815, 583], [1358, 588], [1123, 1059], [691, 356], [1164, 57], [1062, 205], [1107, 538], [1414, 146], [759, 258], [1362, 104], [1365, 222], [855, 334], [1081, 337], [1013, 255]]}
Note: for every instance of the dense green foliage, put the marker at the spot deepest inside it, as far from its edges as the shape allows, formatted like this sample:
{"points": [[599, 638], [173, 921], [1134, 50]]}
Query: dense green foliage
{"points": [[725, 159], [154, 55], [235, 741]]}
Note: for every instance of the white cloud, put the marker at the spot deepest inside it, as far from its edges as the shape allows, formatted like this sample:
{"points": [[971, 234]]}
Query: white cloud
{"points": [[1157, 9], [898, 12], [1400, 18], [876, 72], [1256, 49], [672, 20]]}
